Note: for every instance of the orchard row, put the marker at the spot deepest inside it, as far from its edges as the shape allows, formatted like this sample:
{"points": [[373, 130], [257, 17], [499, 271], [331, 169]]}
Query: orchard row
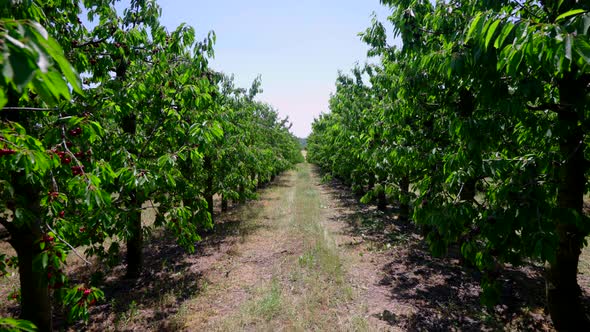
{"points": [[476, 128], [99, 119]]}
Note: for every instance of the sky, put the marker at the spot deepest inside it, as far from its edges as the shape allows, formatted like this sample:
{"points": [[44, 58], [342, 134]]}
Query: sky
{"points": [[296, 46]]}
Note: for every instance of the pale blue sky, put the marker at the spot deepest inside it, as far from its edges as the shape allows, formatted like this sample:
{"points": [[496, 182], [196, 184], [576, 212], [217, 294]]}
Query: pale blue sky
{"points": [[296, 46]]}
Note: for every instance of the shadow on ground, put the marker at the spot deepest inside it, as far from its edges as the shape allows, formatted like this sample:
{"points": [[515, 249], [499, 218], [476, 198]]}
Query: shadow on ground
{"points": [[171, 276], [444, 292]]}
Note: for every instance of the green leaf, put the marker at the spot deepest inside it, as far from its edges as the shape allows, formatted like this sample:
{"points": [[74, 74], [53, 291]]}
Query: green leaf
{"points": [[21, 64], [44, 90], [170, 179], [491, 31], [506, 29], [586, 24], [11, 324], [217, 130], [514, 62], [3, 99], [54, 50], [40, 29], [582, 49], [56, 84], [569, 13], [475, 27]]}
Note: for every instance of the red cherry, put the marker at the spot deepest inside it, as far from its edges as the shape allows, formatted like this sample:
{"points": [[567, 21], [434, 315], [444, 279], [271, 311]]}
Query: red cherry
{"points": [[62, 214], [87, 292], [75, 132], [6, 152], [77, 170]]}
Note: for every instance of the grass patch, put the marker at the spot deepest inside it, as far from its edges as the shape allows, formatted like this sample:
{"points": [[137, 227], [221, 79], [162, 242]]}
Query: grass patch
{"points": [[270, 305], [318, 279], [308, 289], [126, 317]]}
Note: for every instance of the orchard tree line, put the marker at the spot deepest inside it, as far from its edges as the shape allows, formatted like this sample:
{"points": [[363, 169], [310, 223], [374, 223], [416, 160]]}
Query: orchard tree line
{"points": [[99, 120], [476, 127]]}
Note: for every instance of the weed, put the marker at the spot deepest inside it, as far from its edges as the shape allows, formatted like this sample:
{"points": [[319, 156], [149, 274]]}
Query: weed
{"points": [[307, 259], [167, 300], [177, 322], [125, 317], [271, 303], [359, 324]]}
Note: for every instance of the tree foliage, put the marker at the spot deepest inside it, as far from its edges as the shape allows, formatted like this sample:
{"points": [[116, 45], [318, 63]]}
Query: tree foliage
{"points": [[99, 120], [483, 110]]}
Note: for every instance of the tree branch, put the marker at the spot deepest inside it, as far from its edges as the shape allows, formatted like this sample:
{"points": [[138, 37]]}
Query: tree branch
{"points": [[92, 42], [557, 108], [67, 244], [29, 109]]}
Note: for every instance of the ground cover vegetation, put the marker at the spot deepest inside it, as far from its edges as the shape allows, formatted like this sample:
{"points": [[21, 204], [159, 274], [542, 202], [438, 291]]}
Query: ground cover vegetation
{"points": [[99, 120], [476, 129]]}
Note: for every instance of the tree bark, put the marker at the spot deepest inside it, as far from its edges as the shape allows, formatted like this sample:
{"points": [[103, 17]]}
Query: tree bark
{"points": [[223, 203], [468, 191], [382, 199], [25, 238], [208, 167], [256, 180], [35, 299], [371, 181], [135, 239], [404, 208], [241, 194], [466, 109], [563, 293]]}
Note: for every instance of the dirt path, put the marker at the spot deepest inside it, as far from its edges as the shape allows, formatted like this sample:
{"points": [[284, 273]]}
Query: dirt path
{"points": [[287, 273]]}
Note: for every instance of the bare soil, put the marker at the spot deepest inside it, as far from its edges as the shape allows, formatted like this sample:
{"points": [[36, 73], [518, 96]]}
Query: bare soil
{"points": [[407, 289], [252, 273]]}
